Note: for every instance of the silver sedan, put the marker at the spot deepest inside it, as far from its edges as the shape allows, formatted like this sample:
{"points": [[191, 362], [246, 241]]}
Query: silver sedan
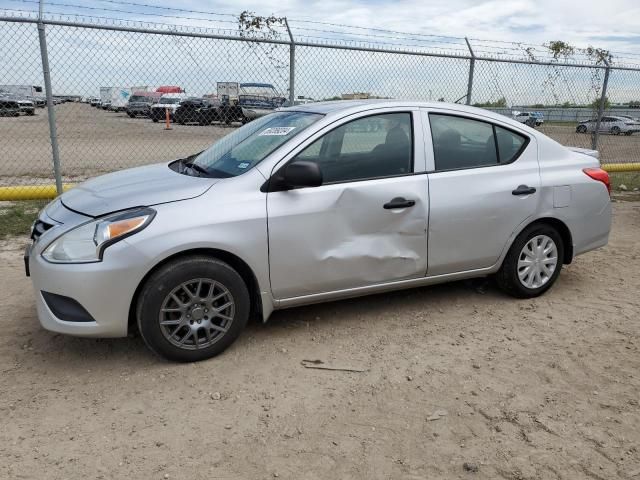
{"points": [[309, 204]]}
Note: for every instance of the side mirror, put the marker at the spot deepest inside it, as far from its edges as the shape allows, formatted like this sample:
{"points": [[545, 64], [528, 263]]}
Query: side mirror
{"points": [[302, 174]]}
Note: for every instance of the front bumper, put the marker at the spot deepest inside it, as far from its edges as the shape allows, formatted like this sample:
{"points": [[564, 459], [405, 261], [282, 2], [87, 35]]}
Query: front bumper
{"points": [[139, 110], [104, 289]]}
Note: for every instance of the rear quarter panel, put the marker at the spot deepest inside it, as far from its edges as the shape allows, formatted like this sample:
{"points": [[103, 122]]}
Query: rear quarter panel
{"points": [[571, 196]]}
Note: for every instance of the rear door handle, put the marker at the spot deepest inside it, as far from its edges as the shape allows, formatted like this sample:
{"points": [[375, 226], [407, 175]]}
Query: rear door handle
{"points": [[524, 190], [399, 202]]}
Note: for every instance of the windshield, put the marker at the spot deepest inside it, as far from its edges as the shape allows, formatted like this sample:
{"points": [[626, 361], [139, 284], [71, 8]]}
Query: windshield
{"points": [[169, 100], [140, 98], [243, 149]]}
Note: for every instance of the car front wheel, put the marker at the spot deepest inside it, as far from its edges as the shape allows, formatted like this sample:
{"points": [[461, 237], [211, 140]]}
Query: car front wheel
{"points": [[581, 129], [192, 308], [533, 262]]}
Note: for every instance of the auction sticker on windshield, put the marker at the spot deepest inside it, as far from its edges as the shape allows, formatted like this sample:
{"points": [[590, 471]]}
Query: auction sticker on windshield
{"points": [[277, 131]]}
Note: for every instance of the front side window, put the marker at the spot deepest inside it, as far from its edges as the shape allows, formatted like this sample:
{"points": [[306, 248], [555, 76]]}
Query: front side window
{"points": [[466, 143], [243, 149], [371, 147]]}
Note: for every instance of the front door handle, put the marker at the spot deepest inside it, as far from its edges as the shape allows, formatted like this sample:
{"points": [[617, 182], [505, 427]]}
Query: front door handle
{"points": [[399, 202], [524, 190]]}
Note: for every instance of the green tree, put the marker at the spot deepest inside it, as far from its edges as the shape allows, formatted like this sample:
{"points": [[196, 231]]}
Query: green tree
{"points": [[596, 103], [500, 103]]}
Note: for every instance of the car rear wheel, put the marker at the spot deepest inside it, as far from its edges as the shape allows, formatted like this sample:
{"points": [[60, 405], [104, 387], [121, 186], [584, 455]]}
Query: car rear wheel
{"points": [[533, 262], [192, 308], [615, 130], [581, 129]]}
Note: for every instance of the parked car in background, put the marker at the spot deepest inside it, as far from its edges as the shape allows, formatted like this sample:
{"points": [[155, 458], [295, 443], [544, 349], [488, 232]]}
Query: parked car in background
{"points": [[9, 108], [140, 103], [533, 119], [94, 101], [253, 100], [310, 204], [168, 102], [26, 106], [615, 125], [197, 110], [105, 104]]}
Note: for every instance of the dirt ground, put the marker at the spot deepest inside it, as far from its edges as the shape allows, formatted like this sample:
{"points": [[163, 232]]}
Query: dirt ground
{"points": [[458, 373], [94, 141]]}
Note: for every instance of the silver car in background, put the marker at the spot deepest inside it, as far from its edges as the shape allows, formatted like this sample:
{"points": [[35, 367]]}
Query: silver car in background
{"points": [[615, 125], [309, 204]]}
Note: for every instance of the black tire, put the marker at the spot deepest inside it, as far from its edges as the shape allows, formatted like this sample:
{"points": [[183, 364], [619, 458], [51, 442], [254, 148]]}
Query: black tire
{"points": [[171, 275], [507, 277], [615, 130], [581, 129], [132, 115], [154, 119]]}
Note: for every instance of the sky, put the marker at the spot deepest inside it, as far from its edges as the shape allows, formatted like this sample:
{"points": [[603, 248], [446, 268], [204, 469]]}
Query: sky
{"points": [[84, 60], [610, 24]]}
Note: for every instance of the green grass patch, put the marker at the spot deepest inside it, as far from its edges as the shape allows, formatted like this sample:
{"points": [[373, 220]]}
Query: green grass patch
{"points": [[630, 180], [16, 217]]}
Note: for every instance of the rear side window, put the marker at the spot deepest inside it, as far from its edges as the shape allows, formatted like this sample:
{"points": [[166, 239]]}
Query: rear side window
{"points": [[460, 142], [509, 144]]}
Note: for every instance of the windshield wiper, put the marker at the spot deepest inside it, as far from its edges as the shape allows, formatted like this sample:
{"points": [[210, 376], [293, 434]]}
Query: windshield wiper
{"points": [[189, 163]]}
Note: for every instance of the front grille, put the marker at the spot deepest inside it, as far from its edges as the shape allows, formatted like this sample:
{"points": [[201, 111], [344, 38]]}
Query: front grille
{"points": [[39, 227]]}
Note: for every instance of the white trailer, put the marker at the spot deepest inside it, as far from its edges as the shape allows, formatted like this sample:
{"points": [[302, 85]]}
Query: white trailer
{"points": [[105, 94], [116, 98], [23, 90], [228, 91]]}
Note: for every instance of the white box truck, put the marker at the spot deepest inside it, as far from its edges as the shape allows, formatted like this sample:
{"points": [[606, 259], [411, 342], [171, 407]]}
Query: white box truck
{"points": [[228, 91], [117, 98]]}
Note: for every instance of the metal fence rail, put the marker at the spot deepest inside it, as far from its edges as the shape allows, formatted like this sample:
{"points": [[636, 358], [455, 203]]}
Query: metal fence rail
{"points": [[66, 140]]}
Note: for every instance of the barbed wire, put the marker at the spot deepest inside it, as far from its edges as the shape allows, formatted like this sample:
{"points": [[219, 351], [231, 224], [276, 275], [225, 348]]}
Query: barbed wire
{"points": [[346, 34]]}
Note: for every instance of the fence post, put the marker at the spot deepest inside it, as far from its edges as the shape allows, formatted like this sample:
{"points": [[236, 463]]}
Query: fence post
{"points": [[472, 65], [292, 65], [596, 134], [53, 133]]}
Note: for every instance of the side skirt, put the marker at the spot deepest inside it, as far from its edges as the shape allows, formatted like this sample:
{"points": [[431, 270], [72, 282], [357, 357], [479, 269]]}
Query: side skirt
{"points": [[380, 288]]}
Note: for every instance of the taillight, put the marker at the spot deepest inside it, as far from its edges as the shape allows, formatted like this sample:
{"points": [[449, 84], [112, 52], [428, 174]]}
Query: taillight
{"points": [[600, 175]]}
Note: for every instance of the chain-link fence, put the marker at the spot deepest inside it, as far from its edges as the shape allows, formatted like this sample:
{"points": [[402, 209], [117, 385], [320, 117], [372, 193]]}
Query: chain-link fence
{"points": [[123, 95]]}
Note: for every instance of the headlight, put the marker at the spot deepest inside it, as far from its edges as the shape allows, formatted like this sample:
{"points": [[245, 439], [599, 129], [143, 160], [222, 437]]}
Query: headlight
{"points": [[87, 242]]}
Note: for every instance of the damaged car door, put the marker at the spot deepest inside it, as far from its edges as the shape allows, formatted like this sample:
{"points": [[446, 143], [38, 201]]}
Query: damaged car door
{"points": [[365, 222]]}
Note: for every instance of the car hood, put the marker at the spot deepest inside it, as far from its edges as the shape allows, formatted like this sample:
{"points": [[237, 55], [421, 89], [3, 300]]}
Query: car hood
{"points": [[135, 187]]}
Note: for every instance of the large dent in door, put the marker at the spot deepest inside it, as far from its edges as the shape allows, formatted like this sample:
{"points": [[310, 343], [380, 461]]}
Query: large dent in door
{"points": [[357, 248]]}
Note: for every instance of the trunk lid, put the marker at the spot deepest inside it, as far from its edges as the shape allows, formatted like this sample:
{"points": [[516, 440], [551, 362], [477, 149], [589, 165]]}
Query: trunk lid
{"points": [[585, 151]]}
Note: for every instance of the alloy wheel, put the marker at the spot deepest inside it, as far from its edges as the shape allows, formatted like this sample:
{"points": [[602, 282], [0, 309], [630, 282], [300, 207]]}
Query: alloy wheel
{"points": [[196, 314]]}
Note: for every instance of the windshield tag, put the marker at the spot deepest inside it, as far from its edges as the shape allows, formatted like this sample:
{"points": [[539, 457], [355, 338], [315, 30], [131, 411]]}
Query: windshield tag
{"points": [[277, 131], [243, 165]]}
